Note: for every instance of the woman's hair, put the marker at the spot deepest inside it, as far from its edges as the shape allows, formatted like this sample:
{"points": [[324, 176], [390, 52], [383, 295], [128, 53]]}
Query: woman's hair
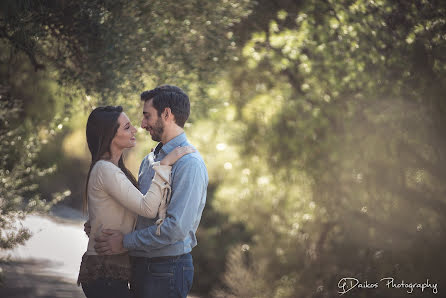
{"points": [[102, 126]]}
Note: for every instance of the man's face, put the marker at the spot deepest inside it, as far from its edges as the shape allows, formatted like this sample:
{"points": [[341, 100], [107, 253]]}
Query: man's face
{"points": [[151, 122]]}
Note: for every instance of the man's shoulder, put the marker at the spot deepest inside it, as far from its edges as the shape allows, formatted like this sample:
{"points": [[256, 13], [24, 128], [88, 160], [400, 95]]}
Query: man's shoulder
{"points": [[190, 162], [145, 164], [191, 158], [147, 158]]}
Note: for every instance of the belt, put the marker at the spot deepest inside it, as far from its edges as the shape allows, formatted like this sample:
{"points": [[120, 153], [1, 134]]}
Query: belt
{"points": [[155, 259]]}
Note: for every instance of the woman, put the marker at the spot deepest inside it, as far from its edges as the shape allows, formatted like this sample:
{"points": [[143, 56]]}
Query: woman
{"points": [[113, 199]]}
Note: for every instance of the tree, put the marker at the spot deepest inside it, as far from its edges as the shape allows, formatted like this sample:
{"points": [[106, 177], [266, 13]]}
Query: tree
{"points": [[55, 54], [345, 97]]}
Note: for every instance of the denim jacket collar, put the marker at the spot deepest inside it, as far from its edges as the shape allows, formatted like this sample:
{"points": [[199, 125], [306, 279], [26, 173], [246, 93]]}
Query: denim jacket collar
{"points": [[172, 144]]}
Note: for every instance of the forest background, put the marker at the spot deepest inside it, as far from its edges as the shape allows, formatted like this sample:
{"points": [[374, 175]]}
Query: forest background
{"points": [[322, 124]]}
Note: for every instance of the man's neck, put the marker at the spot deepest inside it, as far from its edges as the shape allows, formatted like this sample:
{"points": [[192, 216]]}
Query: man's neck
{"points": [[174, 132]]}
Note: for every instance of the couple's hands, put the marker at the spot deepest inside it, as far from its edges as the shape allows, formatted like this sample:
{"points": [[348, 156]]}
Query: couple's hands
{"points": [[176, 154], [109, 243]]}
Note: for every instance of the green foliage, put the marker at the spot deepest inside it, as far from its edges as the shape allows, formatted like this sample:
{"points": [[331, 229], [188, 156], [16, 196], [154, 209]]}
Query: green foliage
{"points": [[216, 235], [347, 98], [18, 174], [62, 58], [320, 123], [117, 46], [24, 127]]}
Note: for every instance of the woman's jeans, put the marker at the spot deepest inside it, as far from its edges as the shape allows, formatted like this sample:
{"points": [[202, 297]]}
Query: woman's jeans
{"points": [[164, 277], [106, 288]]}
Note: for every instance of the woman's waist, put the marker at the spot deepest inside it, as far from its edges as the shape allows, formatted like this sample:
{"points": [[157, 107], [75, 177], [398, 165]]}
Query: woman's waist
{"points": [[124, 224], [96, 231], [109, 266], [117, 259]]}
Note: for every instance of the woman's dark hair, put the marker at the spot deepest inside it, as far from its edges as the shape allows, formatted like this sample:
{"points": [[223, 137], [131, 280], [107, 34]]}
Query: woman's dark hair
{"points": [[102, 126], [169, 96]]}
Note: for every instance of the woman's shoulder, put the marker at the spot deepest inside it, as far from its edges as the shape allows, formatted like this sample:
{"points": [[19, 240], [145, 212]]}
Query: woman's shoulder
{"points": [[102, 172], [104, 166]]}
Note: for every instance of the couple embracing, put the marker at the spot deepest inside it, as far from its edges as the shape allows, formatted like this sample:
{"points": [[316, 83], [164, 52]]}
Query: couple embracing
{"points": [[141, 233]]}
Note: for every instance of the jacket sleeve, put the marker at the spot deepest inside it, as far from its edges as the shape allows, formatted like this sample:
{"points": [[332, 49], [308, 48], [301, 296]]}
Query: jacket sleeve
{"points": [[116, 184]]}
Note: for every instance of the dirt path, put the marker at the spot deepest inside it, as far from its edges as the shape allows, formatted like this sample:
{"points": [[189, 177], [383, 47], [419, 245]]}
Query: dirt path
{"points": [[29, 279], [48, 264]]}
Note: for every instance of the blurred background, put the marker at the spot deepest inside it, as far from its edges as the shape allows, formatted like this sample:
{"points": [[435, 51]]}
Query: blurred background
{"points": [[322, 125]]}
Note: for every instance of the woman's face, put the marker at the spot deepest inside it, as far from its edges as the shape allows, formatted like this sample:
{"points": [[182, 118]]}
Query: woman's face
{"points": [[125, 136]]}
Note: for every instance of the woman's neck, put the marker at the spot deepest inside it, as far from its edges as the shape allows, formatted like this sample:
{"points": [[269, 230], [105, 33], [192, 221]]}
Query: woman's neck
{"points": [[114, 156], [115, 159]]}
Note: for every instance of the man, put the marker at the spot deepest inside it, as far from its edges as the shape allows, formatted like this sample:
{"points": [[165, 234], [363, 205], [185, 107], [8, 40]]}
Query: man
{"points": [[161, 262]]}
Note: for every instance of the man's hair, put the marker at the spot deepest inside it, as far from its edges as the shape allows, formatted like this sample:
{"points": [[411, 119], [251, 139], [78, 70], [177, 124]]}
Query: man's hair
{"points": [[168, 96]]}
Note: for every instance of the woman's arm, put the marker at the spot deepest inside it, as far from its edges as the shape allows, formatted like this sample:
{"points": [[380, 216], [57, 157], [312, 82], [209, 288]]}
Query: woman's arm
{"points": [[117, 185]]}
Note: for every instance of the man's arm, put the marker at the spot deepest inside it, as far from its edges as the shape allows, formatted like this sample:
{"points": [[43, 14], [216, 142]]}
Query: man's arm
{"points": [[188, 184], [87, 228]]}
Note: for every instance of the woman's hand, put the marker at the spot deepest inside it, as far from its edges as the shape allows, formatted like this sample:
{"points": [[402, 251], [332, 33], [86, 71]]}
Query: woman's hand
{"points": [[176, 154]]}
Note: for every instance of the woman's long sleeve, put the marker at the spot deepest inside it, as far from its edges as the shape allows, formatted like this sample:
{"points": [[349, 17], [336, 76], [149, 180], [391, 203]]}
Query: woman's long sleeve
{"points": [[117, 185]]}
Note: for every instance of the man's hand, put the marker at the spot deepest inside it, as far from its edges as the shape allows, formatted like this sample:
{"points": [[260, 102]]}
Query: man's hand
{"points": [[87, 228], [109, 243]]}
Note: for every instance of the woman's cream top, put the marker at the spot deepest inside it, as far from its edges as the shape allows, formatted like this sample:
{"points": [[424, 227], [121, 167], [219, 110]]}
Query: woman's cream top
{"points": [[114, 202]]}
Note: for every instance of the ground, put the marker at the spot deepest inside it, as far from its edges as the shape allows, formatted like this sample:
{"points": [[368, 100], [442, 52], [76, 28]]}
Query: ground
{"points": [[48, 264]]}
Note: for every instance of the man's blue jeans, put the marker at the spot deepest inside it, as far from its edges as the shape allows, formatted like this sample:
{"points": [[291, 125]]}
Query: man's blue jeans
{"points": [[162, 277]]}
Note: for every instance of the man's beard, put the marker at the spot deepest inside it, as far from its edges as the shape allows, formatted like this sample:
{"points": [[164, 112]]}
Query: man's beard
{"points": [[157, 130]]}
